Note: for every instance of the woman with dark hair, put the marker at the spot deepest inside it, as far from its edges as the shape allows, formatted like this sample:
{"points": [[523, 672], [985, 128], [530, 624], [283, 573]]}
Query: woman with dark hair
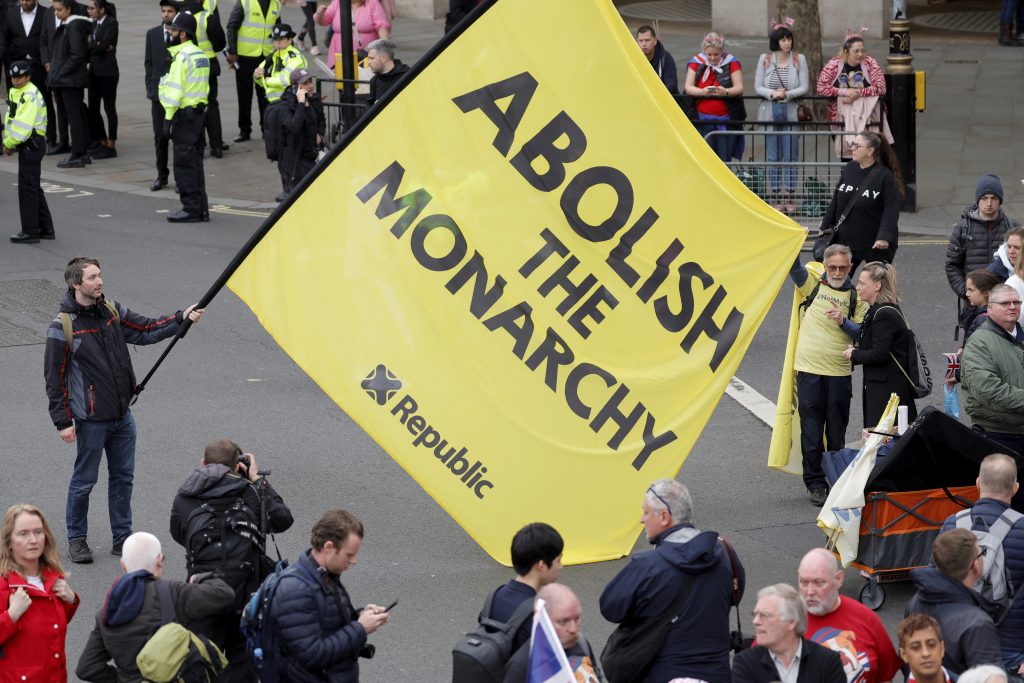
{"points": [[103, 77], [865, 208], [884, 345], [977, 286], [855, 84], [781, 78], [68, 76], [712, 75], [36, 603]]}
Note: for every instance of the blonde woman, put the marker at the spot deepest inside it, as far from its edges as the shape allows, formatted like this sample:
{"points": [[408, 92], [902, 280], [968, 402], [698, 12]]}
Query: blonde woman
{"points": [[712, 75]]}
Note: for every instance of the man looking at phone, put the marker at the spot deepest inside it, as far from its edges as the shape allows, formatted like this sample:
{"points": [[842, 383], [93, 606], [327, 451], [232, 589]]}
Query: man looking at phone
{"points": [[221, 515]]}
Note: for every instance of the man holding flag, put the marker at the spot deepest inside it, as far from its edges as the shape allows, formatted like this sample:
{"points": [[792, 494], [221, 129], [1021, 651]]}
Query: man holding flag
{"points": [[557, 608]]}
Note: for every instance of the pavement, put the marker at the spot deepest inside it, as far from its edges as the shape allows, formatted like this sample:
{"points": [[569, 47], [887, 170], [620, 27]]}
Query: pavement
{"points": [[970, 126]]}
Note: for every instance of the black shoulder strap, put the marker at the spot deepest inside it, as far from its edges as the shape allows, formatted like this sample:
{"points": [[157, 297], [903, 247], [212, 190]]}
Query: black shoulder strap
{"points": [[853, 303], [485, 613], [163, 596], [857, 194], [809, 299]]}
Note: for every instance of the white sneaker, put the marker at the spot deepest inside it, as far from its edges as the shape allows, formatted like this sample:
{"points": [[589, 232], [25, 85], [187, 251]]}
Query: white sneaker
{"points": [[315, 50]]}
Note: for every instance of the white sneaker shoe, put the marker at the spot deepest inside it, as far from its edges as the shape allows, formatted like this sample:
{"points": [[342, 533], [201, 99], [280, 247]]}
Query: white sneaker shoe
{"points": [[315, 50]]}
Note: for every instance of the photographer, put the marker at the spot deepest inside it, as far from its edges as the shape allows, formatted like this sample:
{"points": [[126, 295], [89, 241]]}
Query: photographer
{"points": [[221, 516]]}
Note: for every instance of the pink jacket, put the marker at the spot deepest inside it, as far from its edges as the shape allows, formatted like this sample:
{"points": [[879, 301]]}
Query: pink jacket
{"points": [[830, 72], [368, 19]]}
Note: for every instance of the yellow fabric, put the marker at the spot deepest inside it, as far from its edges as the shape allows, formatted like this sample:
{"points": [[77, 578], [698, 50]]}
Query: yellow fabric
{"points": [[29, 116], [254, 33], [277, 78], [202, 33], [369, 279], [820, 346], [187, 81]]}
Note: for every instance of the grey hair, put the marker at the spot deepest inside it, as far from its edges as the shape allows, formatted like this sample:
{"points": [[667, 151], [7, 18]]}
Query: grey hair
{"points": [[675, 495], [983, 674], [382, 45], [141, 551], [837, 250], [791, 606], [999, 289]]}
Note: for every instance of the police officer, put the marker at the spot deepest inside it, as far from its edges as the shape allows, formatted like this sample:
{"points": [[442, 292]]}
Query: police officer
{"points": [[183, 94], [25, 132], [211, 39], [274, 75], [249, 44]]}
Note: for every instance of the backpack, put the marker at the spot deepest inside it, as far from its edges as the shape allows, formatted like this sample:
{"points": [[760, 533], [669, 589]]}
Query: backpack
{"points": [[995, 583], [918, 374], [176, 655], [481, 656], [69, 332], [223, 533], [273, 128]]}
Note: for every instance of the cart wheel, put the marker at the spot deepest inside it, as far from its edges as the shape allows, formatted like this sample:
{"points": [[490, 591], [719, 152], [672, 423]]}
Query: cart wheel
{"points": [[872, 595]]}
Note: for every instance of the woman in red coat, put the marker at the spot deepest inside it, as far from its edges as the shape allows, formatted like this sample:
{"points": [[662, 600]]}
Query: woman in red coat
{"points": [[36, 603]]}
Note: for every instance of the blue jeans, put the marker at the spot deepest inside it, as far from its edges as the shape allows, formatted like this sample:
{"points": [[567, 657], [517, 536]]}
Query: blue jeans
{"points": [[117, 438], [785, 148], [1009, 12]]}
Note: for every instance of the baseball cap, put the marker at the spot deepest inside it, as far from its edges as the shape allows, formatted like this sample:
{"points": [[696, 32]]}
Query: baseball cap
{"points": [[300, 76]]}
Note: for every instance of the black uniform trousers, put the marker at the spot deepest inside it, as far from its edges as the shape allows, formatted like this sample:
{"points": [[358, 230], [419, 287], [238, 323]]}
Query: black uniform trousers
{"points": [[244, 84], [74, 109], [213, 128], [103, 91], [157, 112], [187, 136], [35, 213]]}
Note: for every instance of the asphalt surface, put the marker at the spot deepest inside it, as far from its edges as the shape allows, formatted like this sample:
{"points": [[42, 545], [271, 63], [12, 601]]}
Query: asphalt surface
{"points": [[228, 378]]}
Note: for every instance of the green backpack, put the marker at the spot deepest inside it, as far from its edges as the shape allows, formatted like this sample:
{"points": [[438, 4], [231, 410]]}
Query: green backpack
{"points": [[176, 655]]}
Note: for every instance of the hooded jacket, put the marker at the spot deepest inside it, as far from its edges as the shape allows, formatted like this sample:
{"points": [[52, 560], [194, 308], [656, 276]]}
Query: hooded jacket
{"points": [[380, 84], [69, 67], [95, 381], [698, 642], [1000, 265], [965, 617], [992, 374], [972, 243], [665, 66], [131, 614]]}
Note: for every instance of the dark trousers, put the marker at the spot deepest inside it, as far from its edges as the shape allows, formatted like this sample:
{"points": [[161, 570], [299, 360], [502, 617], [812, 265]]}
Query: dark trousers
{"points": [[244, 85], [60, 118], [103, 91], [293, 170], [35, 213], [187, 136], [213, 128], [824, 415], [309, 10], [117, 439], [74, 108], [157, 112]]}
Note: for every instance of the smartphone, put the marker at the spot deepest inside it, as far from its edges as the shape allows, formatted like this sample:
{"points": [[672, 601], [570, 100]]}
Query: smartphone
{"points": [[388, 608]]}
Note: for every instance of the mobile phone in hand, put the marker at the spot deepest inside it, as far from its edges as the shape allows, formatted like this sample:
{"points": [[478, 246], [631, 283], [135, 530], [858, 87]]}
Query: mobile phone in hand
{"points": [[388, 608]]}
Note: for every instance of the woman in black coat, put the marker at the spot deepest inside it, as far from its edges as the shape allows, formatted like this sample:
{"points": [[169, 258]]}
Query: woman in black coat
{"points": [[884, 346], [103, 77], [68, 76]]}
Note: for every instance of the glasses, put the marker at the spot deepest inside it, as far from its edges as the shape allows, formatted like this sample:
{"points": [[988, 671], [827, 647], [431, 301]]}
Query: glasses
{"points": [[838, 269], [855, 145], [1007, 304], [650, 490], [763, 616]]}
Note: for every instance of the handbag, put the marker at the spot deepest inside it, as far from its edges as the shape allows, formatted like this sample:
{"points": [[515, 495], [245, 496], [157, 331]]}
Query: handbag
{"points": [[827, 235], [918, 375], [803, 113]]}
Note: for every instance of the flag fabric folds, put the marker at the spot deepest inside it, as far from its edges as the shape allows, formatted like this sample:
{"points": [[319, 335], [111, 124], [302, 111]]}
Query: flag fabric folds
{"points": [[529, 282], [548, 663]]}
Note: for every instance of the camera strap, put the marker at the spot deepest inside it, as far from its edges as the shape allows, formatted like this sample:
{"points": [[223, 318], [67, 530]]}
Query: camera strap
{"points": [[736, 595]]}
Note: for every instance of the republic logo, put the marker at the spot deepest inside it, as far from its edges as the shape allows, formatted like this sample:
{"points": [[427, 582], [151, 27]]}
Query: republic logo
{"points": [[381, 384]]}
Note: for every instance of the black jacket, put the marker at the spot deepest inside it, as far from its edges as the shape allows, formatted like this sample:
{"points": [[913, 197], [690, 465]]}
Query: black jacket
{"points": [[972, 244], [102, 45], [156, 62], [965, 617], [217, 482], [818, 664], [96, 380], [301, 126], [882, 333], [15, 44], [874, 214], [381, 83], [69, 61], [665, 66], [49, 29]]}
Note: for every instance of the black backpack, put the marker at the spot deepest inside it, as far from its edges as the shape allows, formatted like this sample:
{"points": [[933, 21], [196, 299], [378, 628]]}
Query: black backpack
{"points": [[273, 128], [223, 533], [482, 655]]}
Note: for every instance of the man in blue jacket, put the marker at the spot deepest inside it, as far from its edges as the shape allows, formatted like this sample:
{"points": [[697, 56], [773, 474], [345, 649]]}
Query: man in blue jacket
{"points": [[683, 558]]}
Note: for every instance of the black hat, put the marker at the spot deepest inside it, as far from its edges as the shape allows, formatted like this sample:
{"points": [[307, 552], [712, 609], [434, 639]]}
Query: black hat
{"points": [[184, 21], [282, 31], [170, 3], [989, 184], [20, 68]]}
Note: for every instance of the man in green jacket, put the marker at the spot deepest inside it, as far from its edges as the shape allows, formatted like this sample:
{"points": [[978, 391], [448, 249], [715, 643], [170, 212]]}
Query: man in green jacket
{"points": [[992, 371]]}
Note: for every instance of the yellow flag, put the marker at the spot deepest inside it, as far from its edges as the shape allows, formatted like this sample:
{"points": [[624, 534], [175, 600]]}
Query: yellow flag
{"points": [[527, 277]]}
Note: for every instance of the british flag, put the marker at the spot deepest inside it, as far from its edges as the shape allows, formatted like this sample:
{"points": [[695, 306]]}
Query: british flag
{"points": [[952, 366]]}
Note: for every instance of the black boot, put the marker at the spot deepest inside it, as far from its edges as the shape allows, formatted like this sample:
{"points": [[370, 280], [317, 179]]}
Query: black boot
{"points": [[1006, 36]]}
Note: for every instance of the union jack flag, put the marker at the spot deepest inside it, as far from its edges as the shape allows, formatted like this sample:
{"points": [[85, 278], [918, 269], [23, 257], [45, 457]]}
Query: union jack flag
{"points": [[952, 366]]}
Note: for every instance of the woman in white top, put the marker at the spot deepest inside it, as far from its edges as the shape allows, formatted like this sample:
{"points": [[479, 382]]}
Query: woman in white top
{"points": [[1017, 282], [781, 78]]}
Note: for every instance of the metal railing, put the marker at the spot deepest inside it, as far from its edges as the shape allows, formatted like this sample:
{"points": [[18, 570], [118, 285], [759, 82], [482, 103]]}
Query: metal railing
{"points": [[339, 114]]}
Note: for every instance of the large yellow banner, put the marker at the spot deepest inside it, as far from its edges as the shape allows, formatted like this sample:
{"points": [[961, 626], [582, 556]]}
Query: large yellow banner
{"points": [[528, 277]]}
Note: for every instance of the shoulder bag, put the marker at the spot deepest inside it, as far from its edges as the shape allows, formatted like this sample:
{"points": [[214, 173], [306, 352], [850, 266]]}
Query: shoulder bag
{"points": [[918, 375]]}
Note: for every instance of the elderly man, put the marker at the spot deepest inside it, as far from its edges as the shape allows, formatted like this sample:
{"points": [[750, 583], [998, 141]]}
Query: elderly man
{"points": [[685, 564], [992, 371], [564, 610], [945, 592], [843, 624], [662, 62], [782, 653], [921, 648], [831, 312]]}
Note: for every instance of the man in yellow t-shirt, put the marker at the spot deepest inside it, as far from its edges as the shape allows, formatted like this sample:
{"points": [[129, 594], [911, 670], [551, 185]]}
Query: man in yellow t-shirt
{"points": [[831, 317]]}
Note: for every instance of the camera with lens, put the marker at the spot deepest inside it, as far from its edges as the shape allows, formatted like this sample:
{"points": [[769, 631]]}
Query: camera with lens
{"points": [[367, 651], [246, 463]]}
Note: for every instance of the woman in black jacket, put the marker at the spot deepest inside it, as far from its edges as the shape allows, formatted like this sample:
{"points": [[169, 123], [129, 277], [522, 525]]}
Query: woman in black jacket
{"points": [[865, 207], [884, 346], [103, 77], [69, 76]]}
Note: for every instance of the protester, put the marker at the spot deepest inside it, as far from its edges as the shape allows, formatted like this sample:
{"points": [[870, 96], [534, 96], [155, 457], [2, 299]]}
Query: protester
{"points": [[884, 345], [977, 235], [103, 77], [274, 74], [844, 624], [248, 37], [712, 75], [965, 615], [321, 634], [663, 63], [921, 649], [683, 559], [303, 131], [156, 63], [221, 515], [855, 86], [865, 208], [131, 612], [386, 69], [69, 76], [1004, 260], [566, 614], [781, 78], [36, 602], [369, 23], [21, 40], [24, 132], [90, 383], [997, 484], [782, 652], [992, 371]]}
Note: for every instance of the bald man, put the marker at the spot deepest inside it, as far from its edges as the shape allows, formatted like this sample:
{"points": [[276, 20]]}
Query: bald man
{"points": [[997, 484], [564, 610], [843, 624]]}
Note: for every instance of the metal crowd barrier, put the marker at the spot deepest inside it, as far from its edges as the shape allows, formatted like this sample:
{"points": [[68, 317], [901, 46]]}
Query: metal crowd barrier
{"points": [[335, 109]]}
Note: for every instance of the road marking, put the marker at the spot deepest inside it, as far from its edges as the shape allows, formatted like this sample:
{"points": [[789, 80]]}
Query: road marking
{"points": [[221, 208], [747, 397]]}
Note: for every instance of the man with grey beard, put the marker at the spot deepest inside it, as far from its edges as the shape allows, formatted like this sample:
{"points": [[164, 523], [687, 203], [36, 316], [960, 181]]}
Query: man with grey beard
{"points": [[831, 315]]}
